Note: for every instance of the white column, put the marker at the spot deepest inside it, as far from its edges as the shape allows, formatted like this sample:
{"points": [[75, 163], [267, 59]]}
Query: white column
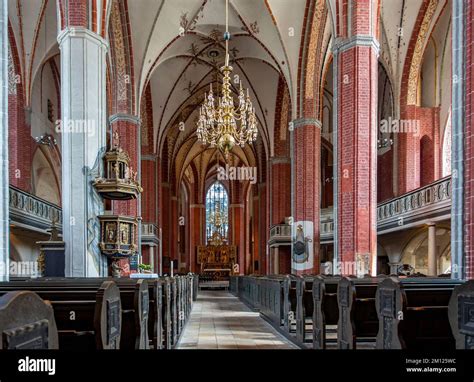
{"points": [[4, 182], [432, 255], [83, 103], [276, 268]]}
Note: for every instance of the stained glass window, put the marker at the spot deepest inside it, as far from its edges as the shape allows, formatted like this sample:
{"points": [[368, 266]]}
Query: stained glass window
{"points": [[217, 210]]}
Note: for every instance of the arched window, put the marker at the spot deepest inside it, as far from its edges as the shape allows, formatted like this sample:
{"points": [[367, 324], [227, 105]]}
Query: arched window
{"points": [[217, 210]]}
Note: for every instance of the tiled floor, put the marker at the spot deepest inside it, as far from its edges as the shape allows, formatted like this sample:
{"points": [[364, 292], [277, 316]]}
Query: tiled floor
{"points": [[220, 321]]}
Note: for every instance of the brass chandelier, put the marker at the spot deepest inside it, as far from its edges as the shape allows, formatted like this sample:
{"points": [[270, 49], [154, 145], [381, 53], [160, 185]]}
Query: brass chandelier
{"points": [[224, 126]]}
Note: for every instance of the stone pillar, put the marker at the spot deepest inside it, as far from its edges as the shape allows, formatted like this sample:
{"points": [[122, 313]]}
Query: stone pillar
{"points": [[83, 110], [4, 186], [432, 252], [276, 261], [356, 181], [306, 163]]}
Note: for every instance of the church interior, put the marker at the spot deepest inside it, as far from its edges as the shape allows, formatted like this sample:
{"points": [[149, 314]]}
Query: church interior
{"points": [[237, 174]]}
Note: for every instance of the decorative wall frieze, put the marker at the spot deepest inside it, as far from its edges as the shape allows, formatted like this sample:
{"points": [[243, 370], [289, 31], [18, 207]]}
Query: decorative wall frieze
{"points": [[418, 53]]}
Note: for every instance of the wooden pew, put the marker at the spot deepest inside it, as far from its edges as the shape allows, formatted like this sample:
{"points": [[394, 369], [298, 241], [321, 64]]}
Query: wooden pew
{"points": [[461, 315], [27, 322], [234, 285], [304, 309], [135, 309], [195, 286], [134, 299], [167, 325], [413, 313], [272, 299], [326, 309], [358, 322], [87, 316], [155, 319], [174, 312], [289, 304]]}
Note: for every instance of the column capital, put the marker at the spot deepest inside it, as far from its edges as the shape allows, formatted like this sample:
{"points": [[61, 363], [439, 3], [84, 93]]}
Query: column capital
{"points": [[280, 160], [81, 32], [149, 157], [342, 44], [306, 122], [121, 117]]}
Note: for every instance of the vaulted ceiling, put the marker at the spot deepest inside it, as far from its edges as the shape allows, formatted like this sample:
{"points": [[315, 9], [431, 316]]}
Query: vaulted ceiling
{"points": [[178, 47], [177, 50]]}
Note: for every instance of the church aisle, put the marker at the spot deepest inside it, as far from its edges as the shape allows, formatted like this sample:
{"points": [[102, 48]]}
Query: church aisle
{"points": [[220, 321]]}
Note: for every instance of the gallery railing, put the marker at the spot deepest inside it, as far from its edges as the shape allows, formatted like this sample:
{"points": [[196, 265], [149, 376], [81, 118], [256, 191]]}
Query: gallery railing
{"points": [[33, 213], [431, 202]]}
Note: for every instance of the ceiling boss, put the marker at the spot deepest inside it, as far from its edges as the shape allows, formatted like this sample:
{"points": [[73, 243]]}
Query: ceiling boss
{"points": [[224, 126]]}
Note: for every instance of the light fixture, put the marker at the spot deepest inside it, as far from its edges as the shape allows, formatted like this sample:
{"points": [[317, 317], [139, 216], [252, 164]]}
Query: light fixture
{"points": [[47, 140], [224, 126]]}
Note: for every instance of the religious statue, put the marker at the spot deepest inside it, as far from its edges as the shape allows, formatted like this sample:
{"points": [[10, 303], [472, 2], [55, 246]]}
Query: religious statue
{"points": [[116, 268]]}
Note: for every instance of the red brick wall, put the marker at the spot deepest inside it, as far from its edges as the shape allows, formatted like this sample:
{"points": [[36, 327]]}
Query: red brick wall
{"points": [[281, 192], [20, 142], [469, 144], [385, 176], [417, 169]]}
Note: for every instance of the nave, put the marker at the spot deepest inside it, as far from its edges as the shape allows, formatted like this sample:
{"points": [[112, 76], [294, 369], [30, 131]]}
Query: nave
{"points": [[220, 321]]}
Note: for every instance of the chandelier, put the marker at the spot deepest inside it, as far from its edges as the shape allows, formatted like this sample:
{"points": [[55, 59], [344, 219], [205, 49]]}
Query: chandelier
{"points": [[225, 126]]}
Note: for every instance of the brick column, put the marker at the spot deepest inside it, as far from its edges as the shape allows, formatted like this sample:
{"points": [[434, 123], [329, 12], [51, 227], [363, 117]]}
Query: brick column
{"points": [[4, 189], [165, 219], [20, 142], [306, 194], [197, 220], [150, 250], [263, 227], [174, 250], [463, 94], [255, 235], [357, 57]]}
